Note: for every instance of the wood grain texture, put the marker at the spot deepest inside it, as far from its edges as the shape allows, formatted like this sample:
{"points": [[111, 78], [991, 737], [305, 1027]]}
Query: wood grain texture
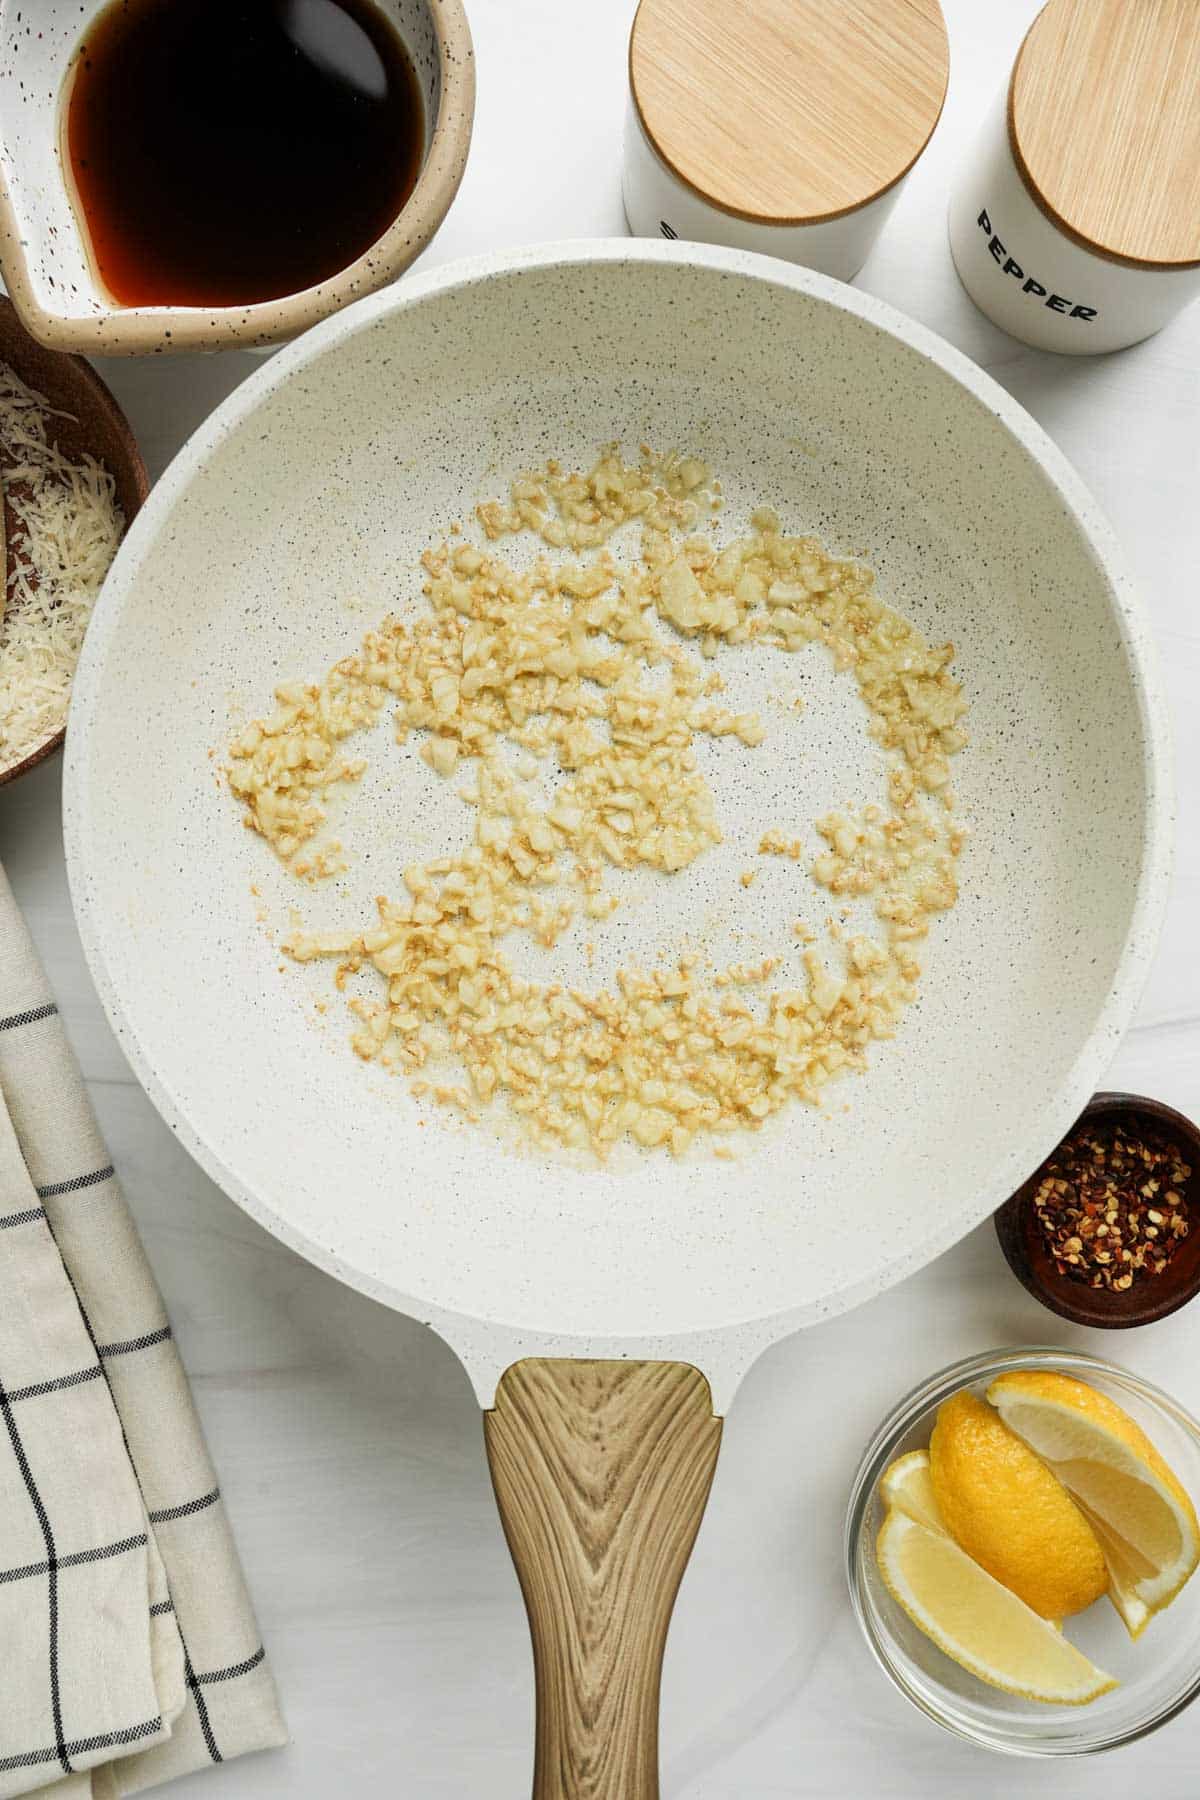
{"points": [[601, 1471], [789, 111], [1104, 120]]}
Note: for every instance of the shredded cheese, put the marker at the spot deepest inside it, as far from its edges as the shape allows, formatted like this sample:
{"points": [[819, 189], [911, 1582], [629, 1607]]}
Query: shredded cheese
{"points": [[66, 526]]}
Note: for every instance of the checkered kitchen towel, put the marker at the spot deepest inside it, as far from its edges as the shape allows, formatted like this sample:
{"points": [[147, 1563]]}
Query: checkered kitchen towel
{"points": [[128, 1647]]}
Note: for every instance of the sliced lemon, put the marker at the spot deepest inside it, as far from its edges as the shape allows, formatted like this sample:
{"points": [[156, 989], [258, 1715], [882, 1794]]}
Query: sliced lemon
{"points": [[1005, 1508], [1126, 1569], [1150, 1534], [978, 1621], [906, 1487]]}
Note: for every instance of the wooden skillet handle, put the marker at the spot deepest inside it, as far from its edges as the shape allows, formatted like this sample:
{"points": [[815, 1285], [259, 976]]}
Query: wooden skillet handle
{"points": [[601, 1471]]}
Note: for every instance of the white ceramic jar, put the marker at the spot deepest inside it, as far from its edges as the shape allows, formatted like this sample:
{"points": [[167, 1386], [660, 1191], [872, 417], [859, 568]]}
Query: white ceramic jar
{"points": [[783, 126], [1075, 223]]}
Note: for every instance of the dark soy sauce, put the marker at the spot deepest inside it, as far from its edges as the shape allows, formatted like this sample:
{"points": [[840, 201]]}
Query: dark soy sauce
{"points": [[228, 151]]}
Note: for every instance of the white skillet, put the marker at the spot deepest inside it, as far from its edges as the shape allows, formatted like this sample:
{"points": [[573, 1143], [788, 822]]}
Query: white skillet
{"points": [[322, 478]]}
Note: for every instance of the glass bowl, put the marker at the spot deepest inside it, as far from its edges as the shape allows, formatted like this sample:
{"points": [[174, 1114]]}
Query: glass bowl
{"points": [[1158, 1675]]}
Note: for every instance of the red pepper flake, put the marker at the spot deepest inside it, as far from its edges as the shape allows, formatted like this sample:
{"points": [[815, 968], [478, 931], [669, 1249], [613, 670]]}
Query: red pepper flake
{"points": [[1110, 1203]]}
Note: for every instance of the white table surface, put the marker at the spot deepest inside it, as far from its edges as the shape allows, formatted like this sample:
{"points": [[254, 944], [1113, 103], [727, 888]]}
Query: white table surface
{"points": [[347, 1438]]}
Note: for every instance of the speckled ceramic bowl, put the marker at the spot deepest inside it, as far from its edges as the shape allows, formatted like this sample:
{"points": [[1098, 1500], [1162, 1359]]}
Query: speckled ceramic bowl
{"points": [[295, 518], [44, 258]]}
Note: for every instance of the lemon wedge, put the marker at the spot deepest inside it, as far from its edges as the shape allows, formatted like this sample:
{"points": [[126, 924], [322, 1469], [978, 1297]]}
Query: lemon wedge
{"points": [[906, 1486], [978, 1621], [1126, 1569], [1005, 1508], [1145, 1522]]}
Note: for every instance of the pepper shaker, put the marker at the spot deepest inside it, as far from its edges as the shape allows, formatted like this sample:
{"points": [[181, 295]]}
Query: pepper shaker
{"points": [[1076, 223], [785, 126]]}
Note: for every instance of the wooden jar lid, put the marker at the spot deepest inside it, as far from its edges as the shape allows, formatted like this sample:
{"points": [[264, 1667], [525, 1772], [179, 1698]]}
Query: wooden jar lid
{"points": [[1104, 121], [789, 111]]}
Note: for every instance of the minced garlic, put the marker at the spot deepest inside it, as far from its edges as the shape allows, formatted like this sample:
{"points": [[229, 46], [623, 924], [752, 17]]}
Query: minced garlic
{"points": [[586, 666]]}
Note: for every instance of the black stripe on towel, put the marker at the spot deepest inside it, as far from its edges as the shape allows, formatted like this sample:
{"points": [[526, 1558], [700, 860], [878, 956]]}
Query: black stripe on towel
{"points": [[22, 1218], [101, 1554], [231, 1673], [28, 1018], [73, 1186], [210, 1741], [165, 1514], [38, 1388], [82, 1746], [43, 1519], [138, 1343]]}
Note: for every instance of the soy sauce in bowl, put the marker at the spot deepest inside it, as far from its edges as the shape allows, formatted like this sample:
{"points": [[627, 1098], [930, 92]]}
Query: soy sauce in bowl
{"points": [[232, 151]]}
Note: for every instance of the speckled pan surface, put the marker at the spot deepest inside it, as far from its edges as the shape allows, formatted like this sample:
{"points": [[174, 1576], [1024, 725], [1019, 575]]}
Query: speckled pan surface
{"points": [[44, 259], [321, 479]]}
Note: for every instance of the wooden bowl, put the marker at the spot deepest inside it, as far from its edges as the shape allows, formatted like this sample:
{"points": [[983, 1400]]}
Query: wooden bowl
{"points": [[95, 423], [1029, 1258]]}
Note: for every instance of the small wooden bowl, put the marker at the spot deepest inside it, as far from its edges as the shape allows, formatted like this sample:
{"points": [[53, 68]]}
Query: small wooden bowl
{"points": [[1029, 1258], [96, 423]]}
